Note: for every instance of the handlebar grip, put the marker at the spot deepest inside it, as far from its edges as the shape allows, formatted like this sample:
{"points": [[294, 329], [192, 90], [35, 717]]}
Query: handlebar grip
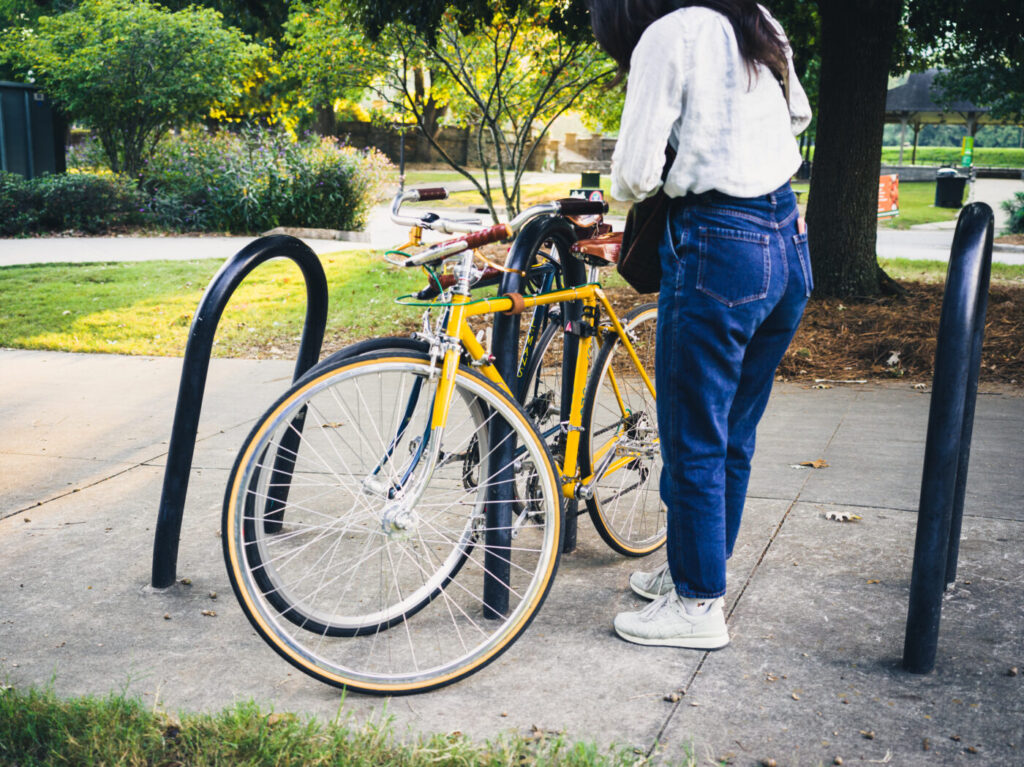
{"points": [[433, 193], [577, 206], [487, 236]]}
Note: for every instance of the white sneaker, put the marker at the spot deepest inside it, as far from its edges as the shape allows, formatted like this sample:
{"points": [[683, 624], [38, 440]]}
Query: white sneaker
{"points": [[654, 584], [665, 622]]}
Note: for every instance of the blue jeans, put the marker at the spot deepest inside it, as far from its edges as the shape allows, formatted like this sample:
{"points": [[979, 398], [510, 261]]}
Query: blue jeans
{"points": [[736, 276]]}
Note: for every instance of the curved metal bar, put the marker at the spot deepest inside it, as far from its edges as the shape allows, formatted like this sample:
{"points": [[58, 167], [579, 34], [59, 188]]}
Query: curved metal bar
{"points": [[950, 424], [196, 365], [505, 347]]}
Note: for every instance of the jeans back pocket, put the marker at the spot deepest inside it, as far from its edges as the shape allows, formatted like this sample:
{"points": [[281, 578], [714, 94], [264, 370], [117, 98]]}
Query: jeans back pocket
{"points": [[734, 266]]}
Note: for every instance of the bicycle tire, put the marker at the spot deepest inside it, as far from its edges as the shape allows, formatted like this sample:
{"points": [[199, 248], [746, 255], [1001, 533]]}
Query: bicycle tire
{"points": [[620, 441], [335, 592]]}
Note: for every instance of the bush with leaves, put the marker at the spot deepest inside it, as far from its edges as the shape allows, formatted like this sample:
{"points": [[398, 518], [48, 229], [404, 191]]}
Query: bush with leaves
{"points": [[80, 202], [19, 205], [259, 179], [1015, 207], [89, 203]]}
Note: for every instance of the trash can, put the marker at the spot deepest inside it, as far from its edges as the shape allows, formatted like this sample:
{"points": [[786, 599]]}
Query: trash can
{"points": [[31, 133], [949, 188]]}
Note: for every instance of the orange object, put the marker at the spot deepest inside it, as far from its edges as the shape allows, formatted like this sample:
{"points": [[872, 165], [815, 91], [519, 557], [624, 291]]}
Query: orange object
{"points": [[888, 196]]}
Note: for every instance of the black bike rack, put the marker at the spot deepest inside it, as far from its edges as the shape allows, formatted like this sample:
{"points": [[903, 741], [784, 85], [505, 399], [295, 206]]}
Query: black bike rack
{"points": [[505, 346], [197, 363], [950, 424]]}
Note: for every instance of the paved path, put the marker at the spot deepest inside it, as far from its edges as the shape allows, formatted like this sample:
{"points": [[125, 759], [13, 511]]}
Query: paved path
{"points": [[816, 607], [927, 242]]}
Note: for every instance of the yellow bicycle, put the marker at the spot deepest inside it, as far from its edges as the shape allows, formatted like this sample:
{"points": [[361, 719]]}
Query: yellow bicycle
{"points": [[422, 522]]}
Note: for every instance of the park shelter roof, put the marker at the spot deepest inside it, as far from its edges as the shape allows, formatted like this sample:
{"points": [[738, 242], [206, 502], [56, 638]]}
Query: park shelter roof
{"points": [[918, 100]]}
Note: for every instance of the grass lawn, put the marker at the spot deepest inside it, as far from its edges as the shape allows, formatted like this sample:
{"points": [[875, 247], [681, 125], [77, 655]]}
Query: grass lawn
{"points": [[39, 729], [146, 307]]}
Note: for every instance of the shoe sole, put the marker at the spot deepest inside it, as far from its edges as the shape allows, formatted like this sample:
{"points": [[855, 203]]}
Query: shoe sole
{"points": [[686, 643]]}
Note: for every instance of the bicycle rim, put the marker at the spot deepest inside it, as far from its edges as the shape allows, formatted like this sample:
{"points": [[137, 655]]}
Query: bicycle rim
{"points": [[620, 445], [381, 570]]}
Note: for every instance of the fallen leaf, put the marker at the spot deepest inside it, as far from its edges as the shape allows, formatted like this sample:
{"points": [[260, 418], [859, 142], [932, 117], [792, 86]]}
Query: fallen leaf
{"points": [[822, 386], [819, 463], [869, 734], [210, 613], [842, 516], [873, 580]]}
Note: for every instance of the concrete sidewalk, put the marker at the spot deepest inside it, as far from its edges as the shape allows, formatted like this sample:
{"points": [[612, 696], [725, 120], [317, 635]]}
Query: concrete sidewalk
{"points": [[816, 607]]}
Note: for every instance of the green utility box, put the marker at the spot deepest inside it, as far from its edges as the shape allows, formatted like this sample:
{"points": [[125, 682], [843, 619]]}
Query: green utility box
{"points": [[31, 134]]}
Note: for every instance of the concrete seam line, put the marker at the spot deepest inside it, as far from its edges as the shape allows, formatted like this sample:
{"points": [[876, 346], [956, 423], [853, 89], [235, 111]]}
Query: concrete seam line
{"points": [[750, 576], [72, 491]]}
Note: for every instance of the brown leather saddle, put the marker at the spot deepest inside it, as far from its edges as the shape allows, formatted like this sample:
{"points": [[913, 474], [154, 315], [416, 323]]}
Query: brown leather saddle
{"points": [[602, 250]]}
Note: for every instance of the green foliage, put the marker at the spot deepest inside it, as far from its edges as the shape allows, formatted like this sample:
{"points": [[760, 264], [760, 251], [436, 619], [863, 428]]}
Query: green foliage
{"points": [[37, 728], [1015, 207], [980, 45], [81, 202], [19, 205], [950, 155], [131, 69], [259, 179]]}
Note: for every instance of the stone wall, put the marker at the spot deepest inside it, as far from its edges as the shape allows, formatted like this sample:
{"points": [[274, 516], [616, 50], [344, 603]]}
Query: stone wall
{"points": [[458, 143]]}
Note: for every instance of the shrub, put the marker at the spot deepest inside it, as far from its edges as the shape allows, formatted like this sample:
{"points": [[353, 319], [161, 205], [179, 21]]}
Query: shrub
{"points": [[87, 155], [85, 202], [259, 179], [1015, 207], [19, 205]]}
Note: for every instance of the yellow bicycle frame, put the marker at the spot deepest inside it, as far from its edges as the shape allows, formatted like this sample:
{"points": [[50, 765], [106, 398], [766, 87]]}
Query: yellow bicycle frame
{"points": [[463, 308]]}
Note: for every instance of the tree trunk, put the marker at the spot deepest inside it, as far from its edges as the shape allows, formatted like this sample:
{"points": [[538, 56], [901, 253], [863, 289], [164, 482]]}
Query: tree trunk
{"points": [[857, 40], [432, 111], [325, 122]]}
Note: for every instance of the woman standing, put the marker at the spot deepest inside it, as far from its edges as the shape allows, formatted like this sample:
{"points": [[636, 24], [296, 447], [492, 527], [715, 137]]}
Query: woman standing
{"points": [[715, 80]]}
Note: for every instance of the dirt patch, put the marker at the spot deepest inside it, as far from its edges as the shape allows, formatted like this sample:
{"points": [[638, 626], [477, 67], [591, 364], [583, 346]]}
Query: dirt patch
{"points": [[886, 339], [1011, 239]]}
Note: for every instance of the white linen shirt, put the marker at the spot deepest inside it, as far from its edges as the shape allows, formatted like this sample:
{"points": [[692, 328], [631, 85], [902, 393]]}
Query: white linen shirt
{"points": [[688, 84]]}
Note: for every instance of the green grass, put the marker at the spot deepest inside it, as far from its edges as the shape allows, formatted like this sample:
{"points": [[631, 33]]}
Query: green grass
{"points": [[991, 157], [146, 307], [913, 270], [917, 205], [37, 728]]}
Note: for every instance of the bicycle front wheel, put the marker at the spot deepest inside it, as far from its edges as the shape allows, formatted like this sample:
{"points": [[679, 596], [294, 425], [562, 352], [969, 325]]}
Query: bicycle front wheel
{"points": [[400, 557], [620, 449]]}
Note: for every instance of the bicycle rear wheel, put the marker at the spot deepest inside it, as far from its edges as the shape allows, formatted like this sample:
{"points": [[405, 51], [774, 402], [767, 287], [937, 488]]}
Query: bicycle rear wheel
{"points": [[382, 572], [620, 444]]}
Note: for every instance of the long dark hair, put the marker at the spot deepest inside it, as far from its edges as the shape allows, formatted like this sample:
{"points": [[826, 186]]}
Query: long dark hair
{"points": [[618, 25]]}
